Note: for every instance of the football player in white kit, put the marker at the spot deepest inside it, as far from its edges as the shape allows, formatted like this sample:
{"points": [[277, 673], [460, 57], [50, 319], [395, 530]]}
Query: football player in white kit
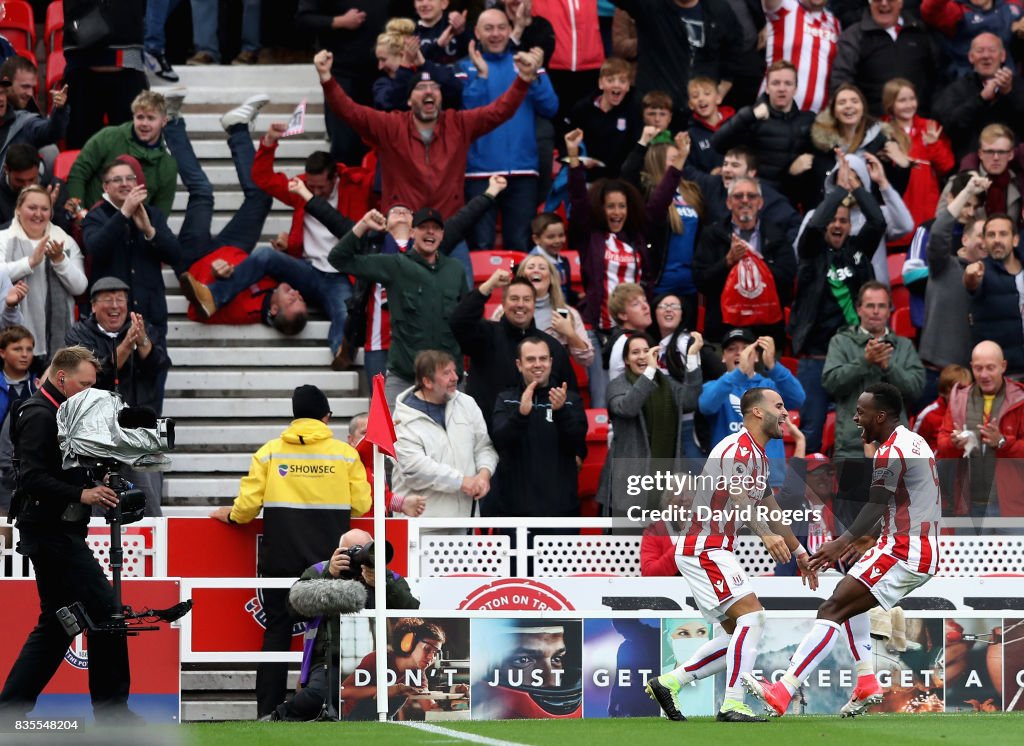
{"points": [[904, 494], [735, 479]]}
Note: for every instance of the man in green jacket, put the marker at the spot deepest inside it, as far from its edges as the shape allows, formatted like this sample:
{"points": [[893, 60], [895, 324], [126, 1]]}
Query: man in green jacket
{"points": [[142, 138], [423, 287], [859, 356]]}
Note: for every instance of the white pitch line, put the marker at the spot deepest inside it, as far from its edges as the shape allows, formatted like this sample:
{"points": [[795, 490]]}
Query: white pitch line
{"points": [[439, 731]]}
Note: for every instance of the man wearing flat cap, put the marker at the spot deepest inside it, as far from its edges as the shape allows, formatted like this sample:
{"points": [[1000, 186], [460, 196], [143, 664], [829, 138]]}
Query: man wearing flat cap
{"points": [[308, 484], [133, 360]]}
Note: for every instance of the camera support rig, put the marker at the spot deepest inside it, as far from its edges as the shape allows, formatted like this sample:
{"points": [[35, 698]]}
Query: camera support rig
{"points": [[124, 620]]}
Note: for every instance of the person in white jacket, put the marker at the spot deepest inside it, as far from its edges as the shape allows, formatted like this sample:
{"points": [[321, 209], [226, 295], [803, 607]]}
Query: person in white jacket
{"points": [[35, 250], [443, 450]]}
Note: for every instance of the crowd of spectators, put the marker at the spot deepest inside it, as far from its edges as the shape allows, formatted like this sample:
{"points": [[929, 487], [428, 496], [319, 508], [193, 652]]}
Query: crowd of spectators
{"points": [[806, 195]]}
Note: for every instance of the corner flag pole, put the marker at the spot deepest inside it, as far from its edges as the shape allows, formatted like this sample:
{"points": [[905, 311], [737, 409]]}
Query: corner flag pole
{"points": [[380, 431]]}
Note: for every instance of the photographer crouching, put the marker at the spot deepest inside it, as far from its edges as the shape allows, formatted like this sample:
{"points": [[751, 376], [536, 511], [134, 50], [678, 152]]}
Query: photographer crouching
{"points": [[52, 507], [339, 586]]}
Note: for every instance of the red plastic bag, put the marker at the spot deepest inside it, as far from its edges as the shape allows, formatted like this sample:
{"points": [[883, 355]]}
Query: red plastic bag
{"points": [[750, 297]]}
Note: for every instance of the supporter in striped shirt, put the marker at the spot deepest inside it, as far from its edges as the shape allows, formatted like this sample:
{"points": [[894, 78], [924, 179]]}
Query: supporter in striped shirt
{"points": [[607, 226], [904, 497], [806, 34]]}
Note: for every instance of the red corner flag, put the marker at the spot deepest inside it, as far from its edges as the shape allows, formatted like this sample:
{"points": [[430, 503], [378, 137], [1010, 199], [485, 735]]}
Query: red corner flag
{"points": [[380, 428]]}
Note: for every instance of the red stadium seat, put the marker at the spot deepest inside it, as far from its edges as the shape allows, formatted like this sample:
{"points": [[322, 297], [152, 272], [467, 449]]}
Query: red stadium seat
{"points": [[896, 269], [700, 316], [828, 435], [597, 452], [26, 53], [19, 25], [900, 297], [490, 307], [55, 64], [54, 38], [575, 273], [791, 363], [582, 379], [62, 166], [901, 324], [486, 262]]}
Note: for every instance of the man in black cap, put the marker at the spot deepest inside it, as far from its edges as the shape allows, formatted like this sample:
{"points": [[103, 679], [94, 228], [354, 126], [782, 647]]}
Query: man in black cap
{"points": [[423, 287], [133, 362], [308, 484]]}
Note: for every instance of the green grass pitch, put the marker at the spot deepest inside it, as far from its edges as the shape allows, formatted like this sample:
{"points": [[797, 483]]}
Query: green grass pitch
{"points": [[884, 730]]}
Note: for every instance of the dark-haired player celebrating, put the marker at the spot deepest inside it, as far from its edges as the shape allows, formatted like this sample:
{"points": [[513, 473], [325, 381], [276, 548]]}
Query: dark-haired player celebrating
{"points": [[735, 479], [905, 496]]}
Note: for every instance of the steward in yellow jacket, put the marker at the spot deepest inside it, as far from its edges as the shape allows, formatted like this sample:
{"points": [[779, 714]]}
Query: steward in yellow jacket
{"points": [[308, 484]]}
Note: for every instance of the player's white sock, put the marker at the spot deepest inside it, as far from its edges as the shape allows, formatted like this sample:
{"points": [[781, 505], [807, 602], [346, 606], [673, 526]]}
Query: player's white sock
{"points": [[706, 661], [858, 635], [742, 652], [816, 646]]}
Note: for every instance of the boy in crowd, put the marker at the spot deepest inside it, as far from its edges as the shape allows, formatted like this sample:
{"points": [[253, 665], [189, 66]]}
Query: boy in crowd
{"points": [[16, 349], [611, 120], [657, 112], [547, 231], [17, 346], [706, 115], [443, 37]]}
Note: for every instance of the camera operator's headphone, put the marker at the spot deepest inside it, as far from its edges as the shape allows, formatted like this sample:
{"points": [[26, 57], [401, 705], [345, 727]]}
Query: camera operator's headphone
{"points": [[412, 638]]}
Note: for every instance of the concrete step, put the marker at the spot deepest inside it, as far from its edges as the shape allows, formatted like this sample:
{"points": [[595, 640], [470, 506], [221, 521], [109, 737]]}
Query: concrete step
{"points": [[226, 202], [192, 487], [226, 83], [226, 680], [317, 357], [210, 121], [210, 463], [255, 407], [288, 149], [276, 222], [240, 381], [216, 438], [181, 332], [218, 710]]}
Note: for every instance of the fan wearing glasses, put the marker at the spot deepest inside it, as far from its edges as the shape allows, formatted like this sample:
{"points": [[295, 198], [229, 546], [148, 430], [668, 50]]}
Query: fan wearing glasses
{"points": [[1002, 163], [724, 243]]}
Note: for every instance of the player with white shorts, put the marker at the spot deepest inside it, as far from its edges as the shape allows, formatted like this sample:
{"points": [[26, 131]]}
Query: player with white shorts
{"points": [[904, 494], [731, 489]]}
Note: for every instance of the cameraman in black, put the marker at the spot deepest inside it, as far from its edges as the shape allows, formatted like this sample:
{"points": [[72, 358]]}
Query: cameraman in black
{"points": [[52, 508], [317, 695]]}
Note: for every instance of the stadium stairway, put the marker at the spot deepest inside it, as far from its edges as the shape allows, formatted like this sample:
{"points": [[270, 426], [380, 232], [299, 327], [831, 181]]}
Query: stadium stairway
{"points": [[230, 386]]}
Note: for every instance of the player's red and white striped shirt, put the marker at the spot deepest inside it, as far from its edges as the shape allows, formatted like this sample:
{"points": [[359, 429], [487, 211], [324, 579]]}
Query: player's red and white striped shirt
{"points": [[809, 40], [621, 264], [905, 466], [738, 460]]}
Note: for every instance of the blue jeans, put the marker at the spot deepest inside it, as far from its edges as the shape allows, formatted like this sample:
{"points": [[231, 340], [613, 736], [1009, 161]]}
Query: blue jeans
{"points": [[328, 290], [204, 26], [245, 227], [517, 204], [157, 13], [812, 413]]}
